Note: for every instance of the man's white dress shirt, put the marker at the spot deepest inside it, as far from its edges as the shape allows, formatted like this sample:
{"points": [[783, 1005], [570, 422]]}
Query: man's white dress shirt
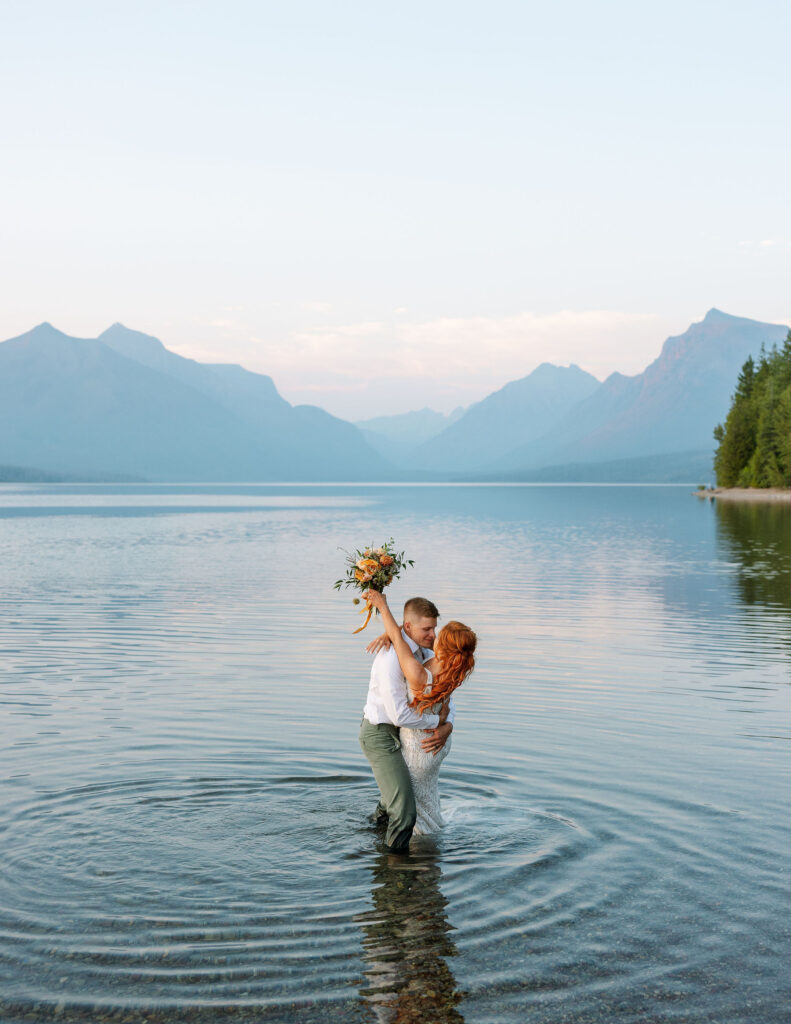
{"points": [[388, 693]]}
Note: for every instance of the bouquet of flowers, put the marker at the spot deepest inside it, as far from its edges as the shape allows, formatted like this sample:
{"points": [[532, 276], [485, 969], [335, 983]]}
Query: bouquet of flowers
{"points": [[372, 569]]}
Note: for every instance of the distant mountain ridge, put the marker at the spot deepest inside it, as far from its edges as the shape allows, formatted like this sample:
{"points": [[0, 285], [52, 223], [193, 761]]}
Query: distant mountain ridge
{"points": [[396, 436], [517, 413], [123, 404], [688, 467], [672, 406]]}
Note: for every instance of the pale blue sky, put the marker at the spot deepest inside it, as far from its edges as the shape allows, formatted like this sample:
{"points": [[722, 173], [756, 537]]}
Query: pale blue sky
{"points": [[437, 195]]}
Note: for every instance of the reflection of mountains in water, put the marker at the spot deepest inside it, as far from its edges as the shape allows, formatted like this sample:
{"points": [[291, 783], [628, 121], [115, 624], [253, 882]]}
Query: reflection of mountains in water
{"points": [[406, 945], [758, 538]]}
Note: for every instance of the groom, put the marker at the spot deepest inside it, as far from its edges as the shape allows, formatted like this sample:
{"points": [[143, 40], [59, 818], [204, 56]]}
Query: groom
{"points": [[387, 711]]}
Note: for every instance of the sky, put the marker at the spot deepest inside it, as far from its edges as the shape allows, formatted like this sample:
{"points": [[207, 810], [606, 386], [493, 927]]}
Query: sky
{"points": [[389, 207]]}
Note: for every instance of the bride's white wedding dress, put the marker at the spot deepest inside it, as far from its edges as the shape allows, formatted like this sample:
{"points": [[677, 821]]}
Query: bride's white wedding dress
{"points": [[423, 769]]}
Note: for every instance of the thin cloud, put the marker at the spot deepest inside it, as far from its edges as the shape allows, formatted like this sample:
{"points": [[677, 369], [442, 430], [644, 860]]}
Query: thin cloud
{"points": [[449, 360], [462, 346], [765, 243], [227, 325]]}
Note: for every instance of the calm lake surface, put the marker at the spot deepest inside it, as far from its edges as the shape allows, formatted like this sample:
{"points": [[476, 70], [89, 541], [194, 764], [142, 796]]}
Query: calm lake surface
{"points": [[183, 817]]}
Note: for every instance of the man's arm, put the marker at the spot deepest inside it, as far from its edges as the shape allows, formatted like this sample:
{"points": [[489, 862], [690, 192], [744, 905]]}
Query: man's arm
{"points": [[435, 739]]}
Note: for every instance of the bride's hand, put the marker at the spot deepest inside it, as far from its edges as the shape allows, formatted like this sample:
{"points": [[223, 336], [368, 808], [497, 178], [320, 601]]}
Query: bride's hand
{"points": [[378, 600]]}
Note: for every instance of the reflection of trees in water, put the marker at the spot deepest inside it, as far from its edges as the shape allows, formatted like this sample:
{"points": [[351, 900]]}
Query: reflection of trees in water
{"points": [[406, 943], [758, 537]]}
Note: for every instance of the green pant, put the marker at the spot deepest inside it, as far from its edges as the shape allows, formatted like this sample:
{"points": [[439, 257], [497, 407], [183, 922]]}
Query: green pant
{"points": [[382, 747]]}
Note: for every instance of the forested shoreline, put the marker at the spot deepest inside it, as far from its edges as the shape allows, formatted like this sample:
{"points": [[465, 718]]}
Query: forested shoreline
{"points": [[754, 443]]}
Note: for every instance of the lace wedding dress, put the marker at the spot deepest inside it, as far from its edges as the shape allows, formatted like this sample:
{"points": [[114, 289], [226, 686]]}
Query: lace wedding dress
{"points": [[423, 769]]}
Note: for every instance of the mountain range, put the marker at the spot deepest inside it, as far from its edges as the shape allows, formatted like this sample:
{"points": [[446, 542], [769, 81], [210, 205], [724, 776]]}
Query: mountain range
{"points": [[123, 406], [561, 423], [672, 406]]}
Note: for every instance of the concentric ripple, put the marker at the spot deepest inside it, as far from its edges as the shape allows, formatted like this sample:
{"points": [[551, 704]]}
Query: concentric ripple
{"points": [[191, 891]]}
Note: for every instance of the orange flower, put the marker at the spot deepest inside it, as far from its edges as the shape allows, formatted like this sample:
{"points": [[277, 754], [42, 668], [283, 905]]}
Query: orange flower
{"points": [[368, 565], [386, 560]]}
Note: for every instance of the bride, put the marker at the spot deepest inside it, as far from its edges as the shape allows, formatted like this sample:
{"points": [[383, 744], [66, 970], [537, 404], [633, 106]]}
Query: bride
{"points": [[430, 686]]}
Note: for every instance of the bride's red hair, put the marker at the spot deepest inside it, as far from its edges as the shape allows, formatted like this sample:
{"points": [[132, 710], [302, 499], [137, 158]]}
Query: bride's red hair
{"points": [[455, 652]]}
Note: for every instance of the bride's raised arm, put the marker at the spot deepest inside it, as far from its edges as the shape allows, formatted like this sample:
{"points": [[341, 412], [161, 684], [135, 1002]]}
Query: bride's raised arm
{"points": [[414, 673]]}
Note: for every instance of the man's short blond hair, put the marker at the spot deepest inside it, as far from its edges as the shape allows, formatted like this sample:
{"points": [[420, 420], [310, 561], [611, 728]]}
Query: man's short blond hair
{"points": [[420, 608]]}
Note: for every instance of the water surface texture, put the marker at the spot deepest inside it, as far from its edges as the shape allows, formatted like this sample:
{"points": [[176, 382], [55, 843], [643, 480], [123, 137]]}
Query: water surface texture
{"points": [[183, 817]]}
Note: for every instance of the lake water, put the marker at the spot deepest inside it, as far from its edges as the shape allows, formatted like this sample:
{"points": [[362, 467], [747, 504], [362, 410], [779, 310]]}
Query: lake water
{"points": [[183, 818]]}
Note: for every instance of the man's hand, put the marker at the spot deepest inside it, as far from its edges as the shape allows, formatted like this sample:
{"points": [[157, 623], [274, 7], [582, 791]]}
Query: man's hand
{"points": [[435, 739], [376, 645]]}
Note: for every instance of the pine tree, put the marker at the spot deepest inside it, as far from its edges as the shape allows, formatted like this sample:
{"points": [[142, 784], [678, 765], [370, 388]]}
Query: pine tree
{"points": [[754, 443], [737, 437], [783, 435]]}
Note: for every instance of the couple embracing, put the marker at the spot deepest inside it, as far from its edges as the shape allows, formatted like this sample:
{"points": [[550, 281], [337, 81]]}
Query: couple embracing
{"points": [[409, 713]]}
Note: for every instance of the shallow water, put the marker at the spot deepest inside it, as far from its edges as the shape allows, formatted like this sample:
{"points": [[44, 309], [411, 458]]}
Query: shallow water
{"points": [[183, 823]]}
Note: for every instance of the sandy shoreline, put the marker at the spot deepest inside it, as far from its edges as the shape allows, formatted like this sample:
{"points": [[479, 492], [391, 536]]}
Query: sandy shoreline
{"points": [[775, 494]]}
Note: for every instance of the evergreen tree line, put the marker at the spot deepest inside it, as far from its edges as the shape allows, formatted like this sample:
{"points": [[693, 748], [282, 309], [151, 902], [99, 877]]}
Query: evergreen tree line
{"points": [[754, 443]]}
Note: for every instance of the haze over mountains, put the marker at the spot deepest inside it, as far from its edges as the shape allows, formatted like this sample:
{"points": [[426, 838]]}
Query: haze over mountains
{"points": [[123, 405]]}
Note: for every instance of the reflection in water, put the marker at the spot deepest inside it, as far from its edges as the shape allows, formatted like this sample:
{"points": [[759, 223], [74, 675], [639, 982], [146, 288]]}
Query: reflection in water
{"points": [[407, 940], [758, 537]]}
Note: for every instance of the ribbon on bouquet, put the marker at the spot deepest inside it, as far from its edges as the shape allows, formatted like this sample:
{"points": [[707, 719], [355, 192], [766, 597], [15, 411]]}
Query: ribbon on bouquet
{"points": [[368, 608]]}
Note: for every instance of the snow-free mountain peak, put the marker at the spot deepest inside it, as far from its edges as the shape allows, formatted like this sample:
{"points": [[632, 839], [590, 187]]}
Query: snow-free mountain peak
{"points": [[42, 332], [517, 413], [123, 338]]}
